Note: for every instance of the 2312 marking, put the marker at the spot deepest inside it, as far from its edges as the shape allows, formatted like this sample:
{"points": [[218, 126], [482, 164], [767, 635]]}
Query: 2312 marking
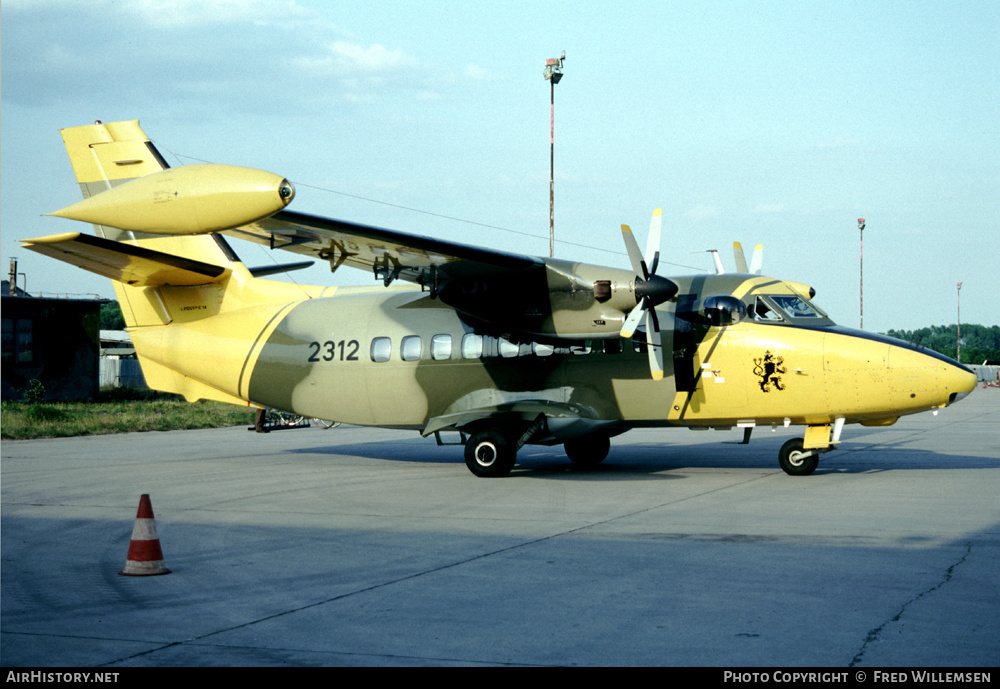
{"points": [[327, 351]]}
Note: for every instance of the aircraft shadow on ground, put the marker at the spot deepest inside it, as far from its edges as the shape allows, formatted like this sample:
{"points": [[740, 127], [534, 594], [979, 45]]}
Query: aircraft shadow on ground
{"points": [[648, 459]]}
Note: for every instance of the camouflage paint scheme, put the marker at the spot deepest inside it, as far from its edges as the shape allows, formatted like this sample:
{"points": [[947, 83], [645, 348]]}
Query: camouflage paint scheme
{"points": [[553, 366]]}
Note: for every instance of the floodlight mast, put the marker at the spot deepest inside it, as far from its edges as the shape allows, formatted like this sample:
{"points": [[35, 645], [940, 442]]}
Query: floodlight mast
{"points": [[861, 231], [553, 73], [958, 338]]}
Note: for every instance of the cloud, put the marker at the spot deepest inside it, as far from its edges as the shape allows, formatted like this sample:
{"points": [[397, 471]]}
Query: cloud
{"points": [[342, 59], [257, 54], [838, 142], [476, 72], [159, 14], [769, 208], [703, 213]]}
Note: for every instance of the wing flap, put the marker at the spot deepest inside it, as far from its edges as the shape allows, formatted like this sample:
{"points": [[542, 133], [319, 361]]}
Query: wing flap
{"points": [[126, 263]]}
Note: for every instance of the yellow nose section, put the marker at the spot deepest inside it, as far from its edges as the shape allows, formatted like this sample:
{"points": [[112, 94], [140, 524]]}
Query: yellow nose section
{"points": [[957, 382], [928, 380]]}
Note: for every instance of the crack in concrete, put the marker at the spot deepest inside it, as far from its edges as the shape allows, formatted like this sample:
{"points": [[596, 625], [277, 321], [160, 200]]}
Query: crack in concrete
{"points": [[874, 634]]}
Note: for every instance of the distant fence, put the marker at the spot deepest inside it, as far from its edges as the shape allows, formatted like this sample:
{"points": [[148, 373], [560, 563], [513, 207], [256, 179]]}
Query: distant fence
{"points": [[121, 373], [986, 373]]}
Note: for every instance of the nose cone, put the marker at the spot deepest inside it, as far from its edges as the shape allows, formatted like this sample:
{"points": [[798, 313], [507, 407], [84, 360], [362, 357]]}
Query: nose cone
{"points": [[930, 377], [958, 382], [876, 376]]}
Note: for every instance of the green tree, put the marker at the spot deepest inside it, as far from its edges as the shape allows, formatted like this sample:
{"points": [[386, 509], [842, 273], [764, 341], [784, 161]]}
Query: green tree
{"points": [[111, 316], [979, 342]]}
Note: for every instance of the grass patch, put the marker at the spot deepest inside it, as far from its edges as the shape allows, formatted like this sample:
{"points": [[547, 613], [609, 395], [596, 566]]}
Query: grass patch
{"points": [[116, 411]]}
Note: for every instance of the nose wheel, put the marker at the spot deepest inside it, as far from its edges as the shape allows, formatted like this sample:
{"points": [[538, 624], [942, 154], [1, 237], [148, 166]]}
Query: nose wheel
{"points": [[795, 461]]}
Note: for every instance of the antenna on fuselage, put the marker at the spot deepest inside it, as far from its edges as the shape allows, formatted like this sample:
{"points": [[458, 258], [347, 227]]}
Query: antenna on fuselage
{"points": [[719, 270]]}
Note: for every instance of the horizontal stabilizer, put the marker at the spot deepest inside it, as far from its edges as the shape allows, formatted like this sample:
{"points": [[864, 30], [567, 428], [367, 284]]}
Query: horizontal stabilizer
{"points": [[262, 271], [132, 265]]}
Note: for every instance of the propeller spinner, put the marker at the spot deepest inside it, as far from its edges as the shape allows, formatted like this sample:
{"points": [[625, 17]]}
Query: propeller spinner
{"points": [[650, 290]]}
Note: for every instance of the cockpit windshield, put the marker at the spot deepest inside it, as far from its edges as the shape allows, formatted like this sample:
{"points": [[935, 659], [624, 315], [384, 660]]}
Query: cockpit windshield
{"points": [[796, 306], [782, 308]]}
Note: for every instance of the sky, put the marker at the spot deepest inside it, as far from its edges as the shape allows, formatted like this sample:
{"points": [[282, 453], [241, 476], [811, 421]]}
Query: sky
{"points": [[779, 123]]}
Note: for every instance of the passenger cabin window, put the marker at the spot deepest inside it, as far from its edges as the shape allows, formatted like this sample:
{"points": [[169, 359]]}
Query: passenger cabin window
{"points": [[381, 349], [475, 346], [508, 350], [472, 346], [410, 348], [441, 347], [542, 349]]}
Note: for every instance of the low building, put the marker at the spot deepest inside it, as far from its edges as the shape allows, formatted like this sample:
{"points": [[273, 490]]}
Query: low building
{"points": [[119, 365], [53, 340]]}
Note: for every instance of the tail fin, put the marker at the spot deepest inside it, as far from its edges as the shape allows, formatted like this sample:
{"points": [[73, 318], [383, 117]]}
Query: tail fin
{"points": [[104, 156], [196, 313]]}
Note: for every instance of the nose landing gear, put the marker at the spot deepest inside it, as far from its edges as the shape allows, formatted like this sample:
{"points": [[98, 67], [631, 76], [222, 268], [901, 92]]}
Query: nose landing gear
{"points": [[795, 461]]}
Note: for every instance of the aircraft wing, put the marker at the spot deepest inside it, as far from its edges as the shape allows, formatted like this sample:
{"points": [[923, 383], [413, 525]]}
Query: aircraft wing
{"points": [[390, 255]]}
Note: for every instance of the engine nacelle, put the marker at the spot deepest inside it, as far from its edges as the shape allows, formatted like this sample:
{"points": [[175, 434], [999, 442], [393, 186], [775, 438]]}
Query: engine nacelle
{"points": [[718, 310], [193, 199]]}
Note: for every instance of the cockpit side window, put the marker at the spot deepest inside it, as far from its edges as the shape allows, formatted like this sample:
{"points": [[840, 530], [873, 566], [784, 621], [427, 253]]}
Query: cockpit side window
{"points": [[796, 306], [762, 311]]}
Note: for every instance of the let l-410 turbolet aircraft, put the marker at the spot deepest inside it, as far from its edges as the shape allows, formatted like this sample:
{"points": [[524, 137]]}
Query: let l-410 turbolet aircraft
{"points": [[505, 348]]}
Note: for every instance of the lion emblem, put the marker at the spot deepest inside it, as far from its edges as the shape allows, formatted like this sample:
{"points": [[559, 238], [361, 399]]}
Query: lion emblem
{"points": [[769, 368]]}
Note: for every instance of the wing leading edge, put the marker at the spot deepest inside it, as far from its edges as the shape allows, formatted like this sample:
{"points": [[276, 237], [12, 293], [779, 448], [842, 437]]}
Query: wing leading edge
{"points": [[390, 255]]}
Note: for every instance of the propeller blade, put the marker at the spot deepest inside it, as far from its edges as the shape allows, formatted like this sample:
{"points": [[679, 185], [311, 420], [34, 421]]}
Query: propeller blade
{"points": [[650, 289], [634, 255], [652, 255], [756, 263], [653, 348], [741, 259], [632, 322]]}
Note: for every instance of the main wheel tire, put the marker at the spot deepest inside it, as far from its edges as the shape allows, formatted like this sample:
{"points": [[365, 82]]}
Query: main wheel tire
{"points": [[794, 461], [489, 454], [588, 451]]}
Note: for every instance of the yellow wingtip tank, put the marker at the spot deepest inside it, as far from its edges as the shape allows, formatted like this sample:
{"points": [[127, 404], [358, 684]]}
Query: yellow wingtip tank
{"points": [[193, 199]]}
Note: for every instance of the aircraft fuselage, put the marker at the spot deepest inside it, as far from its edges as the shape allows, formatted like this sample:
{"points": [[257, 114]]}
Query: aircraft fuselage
{"points": [[401, 358]]}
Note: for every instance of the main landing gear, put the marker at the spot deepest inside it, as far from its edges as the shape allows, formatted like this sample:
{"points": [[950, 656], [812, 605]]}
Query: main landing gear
{"points": [[589, 450], [492, 453]]}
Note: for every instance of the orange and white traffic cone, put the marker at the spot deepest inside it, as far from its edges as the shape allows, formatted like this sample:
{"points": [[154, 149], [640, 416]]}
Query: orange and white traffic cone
{"points": [[145, 558]]}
